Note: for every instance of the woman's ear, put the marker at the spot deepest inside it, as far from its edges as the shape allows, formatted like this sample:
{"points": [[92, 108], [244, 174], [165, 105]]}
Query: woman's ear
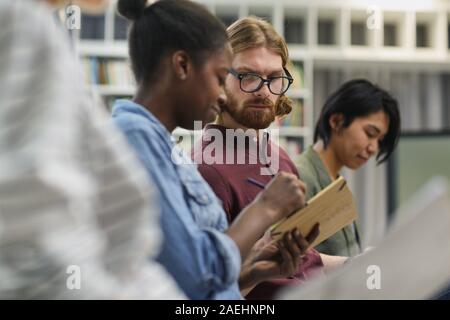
{"points": [[337, 122], [181, 64]]}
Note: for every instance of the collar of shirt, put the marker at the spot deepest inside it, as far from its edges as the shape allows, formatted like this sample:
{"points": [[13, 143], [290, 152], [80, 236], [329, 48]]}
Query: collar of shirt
{"points": [[319, 167], [124, 105]]}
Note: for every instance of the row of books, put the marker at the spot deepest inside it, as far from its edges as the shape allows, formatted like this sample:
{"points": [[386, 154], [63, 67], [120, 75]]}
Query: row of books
{"points": [[295, 30], [296, 70], [295, 118], [107, 71], [292, 145]]}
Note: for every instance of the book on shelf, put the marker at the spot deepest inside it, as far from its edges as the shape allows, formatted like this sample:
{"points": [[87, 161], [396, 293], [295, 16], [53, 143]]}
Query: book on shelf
{"points": [[120, 27], [358, 34], [227, 19], [296, 70], [422, 35], [326, 32], [294, 30], [293, 146], [295, 118], [100, 71], [263, 13], [92, 26], [390, 31]]}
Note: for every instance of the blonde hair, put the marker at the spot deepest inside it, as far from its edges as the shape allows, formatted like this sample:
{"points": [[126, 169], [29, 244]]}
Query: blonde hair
{"points": [[253, 32]]}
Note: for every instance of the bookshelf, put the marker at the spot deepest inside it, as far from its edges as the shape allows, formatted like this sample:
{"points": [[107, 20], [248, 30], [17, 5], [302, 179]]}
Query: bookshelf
{"points": [[403, 46], [103, 51], [326, 35]]}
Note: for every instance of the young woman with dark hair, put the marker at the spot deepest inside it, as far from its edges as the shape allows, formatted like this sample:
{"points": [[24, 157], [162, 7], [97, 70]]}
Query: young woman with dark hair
{"points": [[358, 121]]}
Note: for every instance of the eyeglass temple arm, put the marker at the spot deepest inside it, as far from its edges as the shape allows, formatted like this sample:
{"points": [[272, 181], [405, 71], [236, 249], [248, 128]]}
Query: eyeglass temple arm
{"points": [[288, 74], [233, 72]]}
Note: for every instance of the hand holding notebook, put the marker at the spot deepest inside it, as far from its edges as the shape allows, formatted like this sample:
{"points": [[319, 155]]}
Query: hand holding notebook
{"points": [[333, 208]]}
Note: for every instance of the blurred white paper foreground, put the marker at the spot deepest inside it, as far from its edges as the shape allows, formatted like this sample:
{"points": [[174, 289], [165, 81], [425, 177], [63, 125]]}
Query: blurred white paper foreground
{"points": [[412, 262]]}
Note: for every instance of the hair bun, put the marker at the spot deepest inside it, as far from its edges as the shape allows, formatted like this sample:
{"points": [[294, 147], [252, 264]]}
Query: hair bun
{"points": [[283, 106], [131, 9]]}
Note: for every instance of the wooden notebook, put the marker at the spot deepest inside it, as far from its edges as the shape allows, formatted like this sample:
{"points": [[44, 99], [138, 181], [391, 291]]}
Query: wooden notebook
{"points": [[333, 208]]}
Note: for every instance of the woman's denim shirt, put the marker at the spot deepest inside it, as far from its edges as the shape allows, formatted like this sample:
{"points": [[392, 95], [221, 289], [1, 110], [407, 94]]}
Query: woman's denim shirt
{"points": [[204, 261]]}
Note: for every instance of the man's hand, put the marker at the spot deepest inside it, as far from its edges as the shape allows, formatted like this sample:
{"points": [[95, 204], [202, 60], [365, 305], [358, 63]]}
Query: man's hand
{"points": [[282, 196], [270, 259]]}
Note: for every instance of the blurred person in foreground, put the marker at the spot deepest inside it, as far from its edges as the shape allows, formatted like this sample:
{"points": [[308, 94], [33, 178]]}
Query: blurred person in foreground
{"points": [[74, 202]]}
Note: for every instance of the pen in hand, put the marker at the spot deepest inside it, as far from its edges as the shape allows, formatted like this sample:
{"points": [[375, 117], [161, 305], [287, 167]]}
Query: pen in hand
{"points": [[262, 186], [256, 183]]}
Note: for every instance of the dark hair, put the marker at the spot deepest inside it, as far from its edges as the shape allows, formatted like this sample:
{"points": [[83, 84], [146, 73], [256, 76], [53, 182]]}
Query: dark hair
{"points": [[360, 98], [168, 25]]}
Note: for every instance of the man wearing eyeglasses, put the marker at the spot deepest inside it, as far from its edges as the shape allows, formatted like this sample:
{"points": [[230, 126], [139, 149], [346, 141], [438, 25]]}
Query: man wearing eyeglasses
{"points": [[255, 88]]}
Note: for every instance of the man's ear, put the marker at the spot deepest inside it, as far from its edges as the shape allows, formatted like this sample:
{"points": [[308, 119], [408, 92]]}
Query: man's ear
{"points": [[181, 64], [337, 122]]}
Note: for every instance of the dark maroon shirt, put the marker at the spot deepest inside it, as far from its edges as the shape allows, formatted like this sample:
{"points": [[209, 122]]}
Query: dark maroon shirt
{"points": [[229, 182]]}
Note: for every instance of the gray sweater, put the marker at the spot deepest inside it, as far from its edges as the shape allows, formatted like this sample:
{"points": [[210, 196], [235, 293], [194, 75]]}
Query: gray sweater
{"points": [[313, 173]]}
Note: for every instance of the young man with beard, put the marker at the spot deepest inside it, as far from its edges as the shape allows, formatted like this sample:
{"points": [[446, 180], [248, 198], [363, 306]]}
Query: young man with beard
{"points": [[234, 149]]}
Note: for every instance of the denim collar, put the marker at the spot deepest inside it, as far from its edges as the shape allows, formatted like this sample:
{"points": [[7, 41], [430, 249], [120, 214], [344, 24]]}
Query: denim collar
{"points": [[128, 106]]}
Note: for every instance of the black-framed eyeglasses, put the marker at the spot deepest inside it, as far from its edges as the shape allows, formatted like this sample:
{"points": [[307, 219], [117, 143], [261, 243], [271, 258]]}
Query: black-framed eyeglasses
{"points": [[252, 82]]}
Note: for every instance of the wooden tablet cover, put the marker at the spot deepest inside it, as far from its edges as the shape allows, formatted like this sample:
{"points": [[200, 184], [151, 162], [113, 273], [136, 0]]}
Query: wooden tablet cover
{"points": [[333, 208]]}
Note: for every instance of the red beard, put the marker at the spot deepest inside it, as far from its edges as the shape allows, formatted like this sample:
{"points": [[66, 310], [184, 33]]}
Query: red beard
{"points": [[251, 117]]}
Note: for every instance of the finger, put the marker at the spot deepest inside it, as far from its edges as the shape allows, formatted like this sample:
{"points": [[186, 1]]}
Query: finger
{"points": [[300, 189], [313, 234], [286, 265], [285, 176], [302, 185], [284, 256], [267, 237], [299, 253], [291, 243], [289, 176], [299, 197], [268, 252], [302, 243], [296, 183]]}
